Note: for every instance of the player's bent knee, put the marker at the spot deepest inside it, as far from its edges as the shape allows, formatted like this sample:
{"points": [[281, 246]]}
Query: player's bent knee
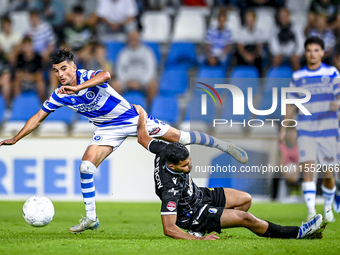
{"points": [[87, 167]]}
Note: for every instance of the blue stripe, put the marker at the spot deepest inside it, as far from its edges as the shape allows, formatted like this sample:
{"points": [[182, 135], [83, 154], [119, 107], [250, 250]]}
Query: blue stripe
{"points": [[211, 141], [318, 116], [321, 97], [88, 195], [321, 133], [86, 176], [309, 191], [86, 185], [192, 137], [120, 120], [46, 110], [328, 194], [203, 138]]}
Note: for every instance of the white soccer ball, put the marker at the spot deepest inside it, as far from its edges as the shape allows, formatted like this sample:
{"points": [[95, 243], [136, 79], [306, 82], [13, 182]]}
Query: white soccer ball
{"points": [[38, 211]]}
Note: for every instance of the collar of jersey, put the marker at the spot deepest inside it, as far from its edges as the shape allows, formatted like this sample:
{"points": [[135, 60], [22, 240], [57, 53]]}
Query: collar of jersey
{"points": [[171, 171]]}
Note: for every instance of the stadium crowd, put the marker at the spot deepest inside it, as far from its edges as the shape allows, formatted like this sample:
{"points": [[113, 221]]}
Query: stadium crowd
{"points": [[151, 48]]}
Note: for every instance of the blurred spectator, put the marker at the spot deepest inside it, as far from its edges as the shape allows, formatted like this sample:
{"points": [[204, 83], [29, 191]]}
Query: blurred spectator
{"points": [[336, 56], [5, 78], [321, 30], [89, 7], [137, 68], [19, 5], [4, 7], [9, 39], [287, 42], [326, 8], [29, 74], [194, 2], [77, 33], [116, 16], [250, 43], [51, 11], [42, 36], [218, 41], [246, 4]]}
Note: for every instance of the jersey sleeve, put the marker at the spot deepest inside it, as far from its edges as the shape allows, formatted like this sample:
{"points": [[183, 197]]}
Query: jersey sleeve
{"points": [[336, 83], [90, 74], [170, 198], [156, 146], [51, 104]]}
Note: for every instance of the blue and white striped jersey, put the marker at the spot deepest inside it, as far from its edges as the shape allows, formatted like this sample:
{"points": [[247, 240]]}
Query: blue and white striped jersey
{"points": [[101, 104], [323, 85]]}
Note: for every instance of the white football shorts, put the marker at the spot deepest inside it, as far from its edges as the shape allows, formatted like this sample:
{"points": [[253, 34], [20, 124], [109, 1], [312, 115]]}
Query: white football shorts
{"points": [[115, 135], [323, 149]]}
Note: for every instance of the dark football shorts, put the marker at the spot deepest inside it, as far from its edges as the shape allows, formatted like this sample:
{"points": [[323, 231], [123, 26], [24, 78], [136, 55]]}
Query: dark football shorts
{"points": [[208, 217]]}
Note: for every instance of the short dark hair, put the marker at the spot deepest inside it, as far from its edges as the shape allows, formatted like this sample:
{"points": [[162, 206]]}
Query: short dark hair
{"points": [[27, 39], [78, 9], [61, 55], [5, 19], [315, 40], [176, 152]]}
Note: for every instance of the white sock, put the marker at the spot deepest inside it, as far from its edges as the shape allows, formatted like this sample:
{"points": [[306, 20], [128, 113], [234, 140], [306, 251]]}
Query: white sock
{"points": [[328, 195], [309, 193]]}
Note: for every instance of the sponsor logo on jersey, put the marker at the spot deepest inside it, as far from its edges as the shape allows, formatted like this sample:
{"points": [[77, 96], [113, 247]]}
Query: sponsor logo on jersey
{"points": [[325, 79], [190, 189], [212, 210], [84, 74], [98, 138], [155, 131], [157, 177], [174, 180], [73, 100], [90, 95], [89, 107], [173, 191], [171, 206]]}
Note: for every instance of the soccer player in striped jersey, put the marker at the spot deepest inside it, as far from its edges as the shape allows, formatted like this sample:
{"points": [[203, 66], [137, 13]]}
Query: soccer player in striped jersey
{"points": [[318, 132], [88, 93]]}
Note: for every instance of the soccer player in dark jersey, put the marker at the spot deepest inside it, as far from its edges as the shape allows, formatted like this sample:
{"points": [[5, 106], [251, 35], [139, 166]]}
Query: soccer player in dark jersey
{"points": [[201, 210]]}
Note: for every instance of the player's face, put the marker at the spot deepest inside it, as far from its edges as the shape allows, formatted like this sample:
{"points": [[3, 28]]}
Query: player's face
{"points": [[184, 166], [314, 54], [66, 72]]}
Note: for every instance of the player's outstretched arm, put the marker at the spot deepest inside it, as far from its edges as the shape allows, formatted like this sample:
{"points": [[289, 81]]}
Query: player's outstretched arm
{"points": [[30, 125], [170, 229], [290, 110], [143, 135], [94, 81]]}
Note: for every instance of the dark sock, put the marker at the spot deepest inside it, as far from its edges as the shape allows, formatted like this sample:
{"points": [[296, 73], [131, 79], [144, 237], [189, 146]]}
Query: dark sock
{"points": [[277, 231]]}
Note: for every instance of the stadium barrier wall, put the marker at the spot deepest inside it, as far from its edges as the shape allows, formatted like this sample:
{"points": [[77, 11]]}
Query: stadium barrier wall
{"points": [[50, 167]]}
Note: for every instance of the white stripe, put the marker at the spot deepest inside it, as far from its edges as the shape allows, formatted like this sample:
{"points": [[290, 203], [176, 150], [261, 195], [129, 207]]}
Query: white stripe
{"points": [[207, 139], [88, 190], [168, 213], [201, 211], [315, 107], [198, 137], [86, 180]]}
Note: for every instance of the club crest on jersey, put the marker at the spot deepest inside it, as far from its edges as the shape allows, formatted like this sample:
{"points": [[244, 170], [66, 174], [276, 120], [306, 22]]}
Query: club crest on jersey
{"points": [[98, 138], [90, 95], [155, 131], [325, 79], [171, 206], [212, 210]]}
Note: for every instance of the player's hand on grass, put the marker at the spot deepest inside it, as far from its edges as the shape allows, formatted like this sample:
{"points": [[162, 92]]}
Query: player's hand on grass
{"points": [[8, 142], [70, 90], [212, 236], [334, 106]]}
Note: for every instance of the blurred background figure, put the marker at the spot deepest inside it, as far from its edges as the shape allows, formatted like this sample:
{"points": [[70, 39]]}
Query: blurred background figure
{"points": [[9, 39], [286, 43], [5, 78], [250, 43], [336, 56], [321, 30], [42, 35], [218, 42], [29, 70], [89, 7], [137, 68], [116, 16]]}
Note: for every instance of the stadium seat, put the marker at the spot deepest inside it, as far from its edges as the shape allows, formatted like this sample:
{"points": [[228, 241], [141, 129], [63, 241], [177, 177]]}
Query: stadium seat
{"points": [[156, 49], [278, 77], [24, 106], [20, 21], [181, 56], [189, 27], [244, 77], [57, 123], [298, 6], [135, 97], [156, 27], [113, 48], [195, 10], [82, 127], [211, 72], [2, 108], [173, 82], [165, 108]]}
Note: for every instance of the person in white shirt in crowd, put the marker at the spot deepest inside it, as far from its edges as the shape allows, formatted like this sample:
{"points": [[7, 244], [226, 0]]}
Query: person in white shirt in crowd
{"points": [[136, 68], [250, 43], [287, 42], [9, 40], [116, 16]]}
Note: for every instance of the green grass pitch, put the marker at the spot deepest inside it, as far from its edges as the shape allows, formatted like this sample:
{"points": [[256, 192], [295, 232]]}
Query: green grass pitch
{"points": [[135, 228]]}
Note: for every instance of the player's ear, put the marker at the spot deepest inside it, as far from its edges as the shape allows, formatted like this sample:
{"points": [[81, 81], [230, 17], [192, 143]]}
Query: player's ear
{"points": [[171, 166]]}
